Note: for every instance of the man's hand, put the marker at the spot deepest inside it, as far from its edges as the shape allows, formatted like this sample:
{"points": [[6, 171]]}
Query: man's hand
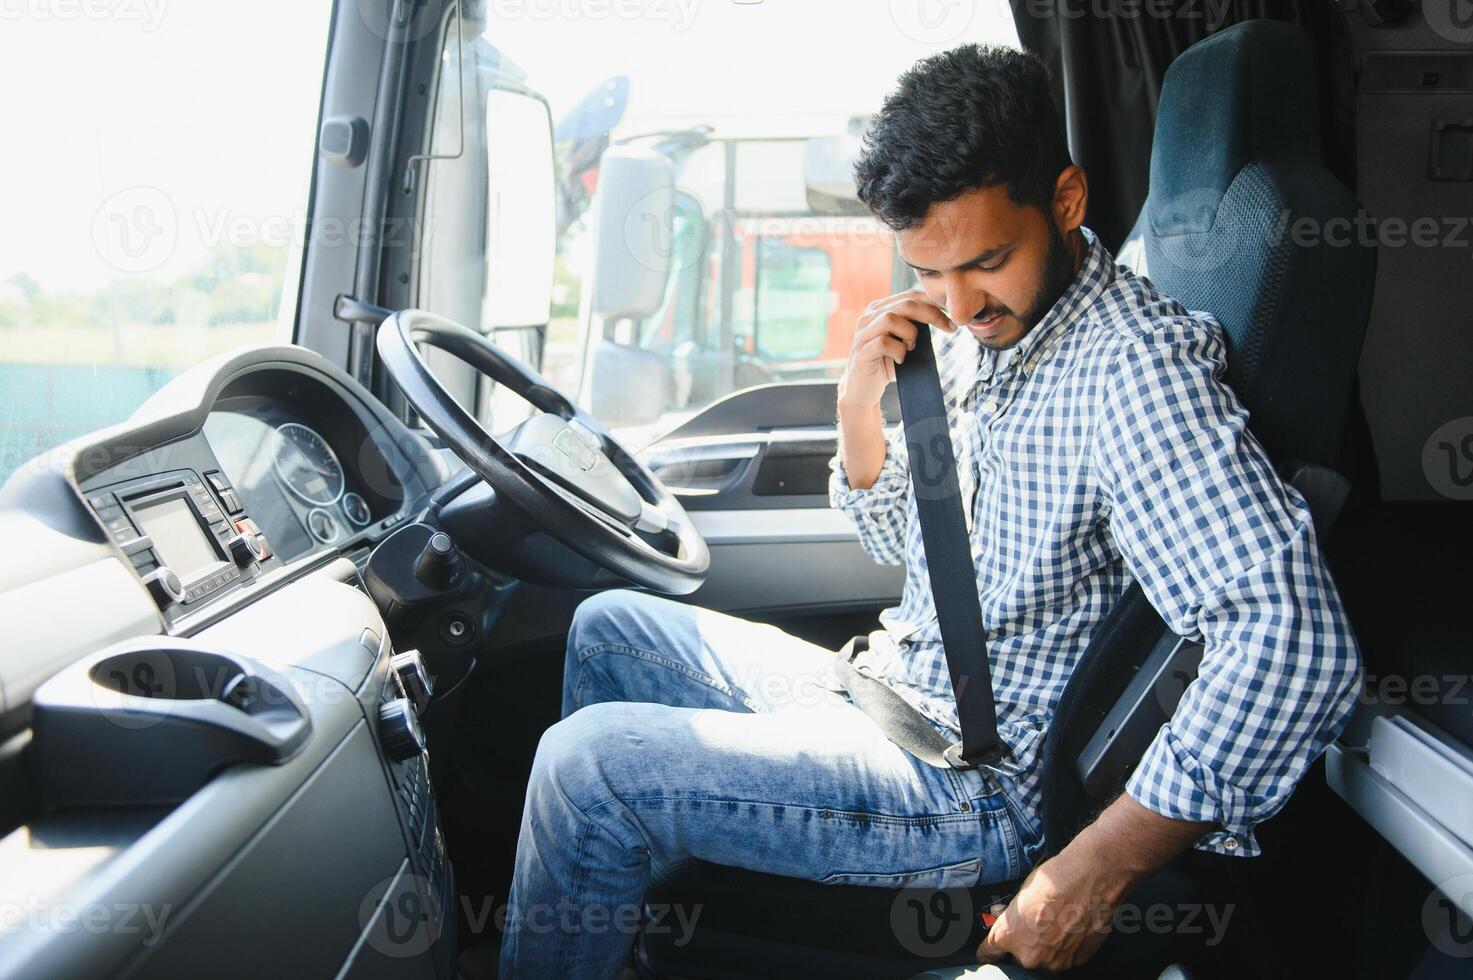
{"points": [[1062, 913], [882, 337]]}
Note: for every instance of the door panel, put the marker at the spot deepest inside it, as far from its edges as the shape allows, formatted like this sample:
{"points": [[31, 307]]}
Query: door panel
{"points": [[753, 471]]}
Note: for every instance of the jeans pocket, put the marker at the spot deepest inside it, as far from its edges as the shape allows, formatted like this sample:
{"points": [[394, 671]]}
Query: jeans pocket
{"points": [[963, 874]]}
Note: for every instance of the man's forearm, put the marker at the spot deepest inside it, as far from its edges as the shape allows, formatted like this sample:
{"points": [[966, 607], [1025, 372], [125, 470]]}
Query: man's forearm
{"points": [[861, 443], [1064, 910], [1128, 841]]}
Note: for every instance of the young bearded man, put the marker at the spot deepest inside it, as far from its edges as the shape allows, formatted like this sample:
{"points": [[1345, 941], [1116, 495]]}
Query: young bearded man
{"points": [[1096, 446]]}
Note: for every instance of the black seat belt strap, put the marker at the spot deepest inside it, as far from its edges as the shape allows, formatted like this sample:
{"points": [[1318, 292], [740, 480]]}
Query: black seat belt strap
{"points": [[938, 496]]}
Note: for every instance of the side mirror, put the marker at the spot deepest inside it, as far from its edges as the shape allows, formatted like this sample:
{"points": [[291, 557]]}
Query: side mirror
{"points": [[634, 233], [630, 385], [521, 210], [828, 171]]}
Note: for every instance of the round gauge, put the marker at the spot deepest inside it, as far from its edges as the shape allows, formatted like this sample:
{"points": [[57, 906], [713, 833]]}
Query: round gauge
{"points": [[357, 509], [324, 526], [307, 465]]}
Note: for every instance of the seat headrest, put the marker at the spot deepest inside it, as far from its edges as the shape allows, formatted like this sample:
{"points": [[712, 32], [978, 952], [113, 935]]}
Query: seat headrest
{"points": [[1245, 93]]}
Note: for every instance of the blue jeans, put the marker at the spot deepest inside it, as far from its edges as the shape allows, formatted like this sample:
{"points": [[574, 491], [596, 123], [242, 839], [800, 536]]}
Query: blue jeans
{"points": [[688, 733]]}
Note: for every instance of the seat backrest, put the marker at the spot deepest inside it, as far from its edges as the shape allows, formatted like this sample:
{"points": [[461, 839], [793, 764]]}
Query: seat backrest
{"points": [[1234, 225], [1243, 221]]}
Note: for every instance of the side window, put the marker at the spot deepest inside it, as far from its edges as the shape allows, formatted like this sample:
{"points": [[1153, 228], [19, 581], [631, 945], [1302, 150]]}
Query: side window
{"points": [[793, 302], [155, 205]]}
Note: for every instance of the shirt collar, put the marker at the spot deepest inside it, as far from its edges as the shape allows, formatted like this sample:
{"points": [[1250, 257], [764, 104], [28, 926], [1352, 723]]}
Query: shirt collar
{"points": [[1095, 273]]}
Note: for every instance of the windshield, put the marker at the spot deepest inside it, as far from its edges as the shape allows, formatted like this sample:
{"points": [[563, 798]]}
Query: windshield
{"points": [[748, 102], [158, 162]]}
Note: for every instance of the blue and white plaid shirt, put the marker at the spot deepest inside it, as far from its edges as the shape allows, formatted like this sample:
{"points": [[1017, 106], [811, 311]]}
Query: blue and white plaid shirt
{"points": [[1100, 451]]}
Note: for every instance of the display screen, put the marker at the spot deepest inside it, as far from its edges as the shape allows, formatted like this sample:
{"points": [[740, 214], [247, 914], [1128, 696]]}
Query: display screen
{"points": [[177, 536]]}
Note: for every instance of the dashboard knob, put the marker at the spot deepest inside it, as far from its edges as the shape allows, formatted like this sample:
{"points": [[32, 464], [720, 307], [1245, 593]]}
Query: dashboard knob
{"points": [[399, 730], [410, 667], [438, 564], [245, 549], [164, 585]]}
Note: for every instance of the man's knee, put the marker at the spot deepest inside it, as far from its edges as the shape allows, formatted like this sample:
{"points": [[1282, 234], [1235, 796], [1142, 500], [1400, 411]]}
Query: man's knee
{"points": [[608, 617], [591, 756]]}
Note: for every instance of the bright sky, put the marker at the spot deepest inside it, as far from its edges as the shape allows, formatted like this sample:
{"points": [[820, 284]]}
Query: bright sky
{"points": [[205, 111]]}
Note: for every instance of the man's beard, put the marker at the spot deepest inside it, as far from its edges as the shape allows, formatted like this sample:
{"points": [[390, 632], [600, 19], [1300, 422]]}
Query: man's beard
{"points": [[1058, 274]]}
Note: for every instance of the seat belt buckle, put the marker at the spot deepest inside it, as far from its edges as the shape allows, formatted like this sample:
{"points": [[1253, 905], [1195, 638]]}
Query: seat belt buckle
{"points": [[853, 647], [953, 757]]}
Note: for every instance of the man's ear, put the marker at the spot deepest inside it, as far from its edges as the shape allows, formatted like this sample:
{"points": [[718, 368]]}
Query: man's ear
{"points": [[1071, 196]]}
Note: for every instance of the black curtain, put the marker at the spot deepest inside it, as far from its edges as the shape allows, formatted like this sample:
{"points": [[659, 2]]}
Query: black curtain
{"points": [[1108, 57]]}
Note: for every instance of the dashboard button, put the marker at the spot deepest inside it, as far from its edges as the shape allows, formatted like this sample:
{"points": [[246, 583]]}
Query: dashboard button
{"points": [[165, 586], [399, 729], [412, 675], [247, 526], [246, 550], [142, 543]]}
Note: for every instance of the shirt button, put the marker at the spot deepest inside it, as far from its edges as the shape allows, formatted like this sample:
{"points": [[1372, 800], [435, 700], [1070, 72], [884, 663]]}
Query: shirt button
{"points": [[1231, 843], [989, 406]]}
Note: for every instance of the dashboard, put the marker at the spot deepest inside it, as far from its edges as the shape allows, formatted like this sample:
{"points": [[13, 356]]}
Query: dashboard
{"points": [[305, 464], [275, 462], [203, 706]]}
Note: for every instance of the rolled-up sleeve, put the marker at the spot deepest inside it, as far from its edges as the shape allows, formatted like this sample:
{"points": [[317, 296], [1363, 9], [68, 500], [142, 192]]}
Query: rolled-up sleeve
{"points": [[1226, 554], [879, 512]]}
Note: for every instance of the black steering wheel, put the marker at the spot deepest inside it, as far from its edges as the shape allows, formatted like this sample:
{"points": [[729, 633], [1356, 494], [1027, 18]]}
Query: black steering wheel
{"points": [[560, 468]]}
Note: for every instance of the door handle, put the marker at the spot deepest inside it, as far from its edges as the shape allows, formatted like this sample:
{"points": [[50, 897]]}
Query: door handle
{"points": [[702, 469]]}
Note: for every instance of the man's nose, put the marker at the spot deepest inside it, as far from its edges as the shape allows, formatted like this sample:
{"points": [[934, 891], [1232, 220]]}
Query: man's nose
{"points": [[963, 302]]}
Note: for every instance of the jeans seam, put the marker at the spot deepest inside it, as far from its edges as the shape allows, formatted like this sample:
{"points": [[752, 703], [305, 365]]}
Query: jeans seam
{"points": [[565, 939], [856, 816], [953, 866], [700, 677], [1004, 821], [1017, 814]]}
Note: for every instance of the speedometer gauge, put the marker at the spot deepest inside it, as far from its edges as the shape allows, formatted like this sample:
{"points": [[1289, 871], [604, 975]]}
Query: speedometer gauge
{"points": [[307, 465]]}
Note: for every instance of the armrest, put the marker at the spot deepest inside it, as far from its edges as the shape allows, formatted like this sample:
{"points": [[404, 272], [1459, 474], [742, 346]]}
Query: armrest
{"points": [[1150, 698], [1146, 704]]}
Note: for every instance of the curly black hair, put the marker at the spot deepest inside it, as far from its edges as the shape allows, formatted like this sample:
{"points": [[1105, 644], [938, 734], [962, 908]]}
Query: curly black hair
{"points": [[974, 116]]}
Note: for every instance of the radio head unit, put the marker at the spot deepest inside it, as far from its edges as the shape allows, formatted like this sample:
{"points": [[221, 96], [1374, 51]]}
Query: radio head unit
{"points": [[189, 538]]}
